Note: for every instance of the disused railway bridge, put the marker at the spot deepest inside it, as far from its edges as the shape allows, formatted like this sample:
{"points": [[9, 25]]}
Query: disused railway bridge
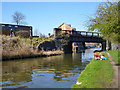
{"points": [[82, 36]]}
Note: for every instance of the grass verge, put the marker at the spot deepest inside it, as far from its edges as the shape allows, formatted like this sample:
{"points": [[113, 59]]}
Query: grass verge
{"points": [[97, 74], [115, 55]]}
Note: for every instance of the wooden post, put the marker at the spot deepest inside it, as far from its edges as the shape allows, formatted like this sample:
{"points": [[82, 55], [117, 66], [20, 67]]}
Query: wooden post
{"points": [[98, 34], [86, 33], [92, 34], [80, 33], [104, 46]]}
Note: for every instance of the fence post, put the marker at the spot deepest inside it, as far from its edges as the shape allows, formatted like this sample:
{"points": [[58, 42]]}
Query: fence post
{"points": [[86, 33], [98, 34], [92, 34]]}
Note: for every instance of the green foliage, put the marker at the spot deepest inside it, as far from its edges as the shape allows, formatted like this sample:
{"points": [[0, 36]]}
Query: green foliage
{"points": [[37, 41], [64, 38], [97, 74], [107, 21]]}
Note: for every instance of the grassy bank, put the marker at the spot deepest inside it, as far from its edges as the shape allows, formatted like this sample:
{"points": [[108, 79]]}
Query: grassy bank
{"points": [[33, 55], [115, 55], [97, 74], [14, 46], [17, 47], [35, 40]]}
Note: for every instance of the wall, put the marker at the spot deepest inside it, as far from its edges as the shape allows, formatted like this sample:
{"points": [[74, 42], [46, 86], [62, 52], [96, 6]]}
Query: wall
{"points": [[48, 46], [89, 44], [24, 34], [57, 31], [6, 28], [66, 27], [55, 45]]}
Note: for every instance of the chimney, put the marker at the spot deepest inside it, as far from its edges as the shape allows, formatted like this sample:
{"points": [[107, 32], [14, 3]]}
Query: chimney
{"points": [[69, 25]]}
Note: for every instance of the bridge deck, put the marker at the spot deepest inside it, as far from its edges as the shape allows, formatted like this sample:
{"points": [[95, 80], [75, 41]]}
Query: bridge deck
{"points": [[84, 33]]}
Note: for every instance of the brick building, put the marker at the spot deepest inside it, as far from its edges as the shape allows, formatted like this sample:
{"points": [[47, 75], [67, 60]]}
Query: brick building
{"points": [[5, 28], [64, 28]]}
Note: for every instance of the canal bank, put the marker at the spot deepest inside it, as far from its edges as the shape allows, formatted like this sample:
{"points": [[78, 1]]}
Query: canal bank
{"points": [[59, 71], [97, 74], [21, 48], [33, 55]]}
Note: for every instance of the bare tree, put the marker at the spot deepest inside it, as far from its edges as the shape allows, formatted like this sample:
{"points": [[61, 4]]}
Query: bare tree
{"points": [[18, 18], [42, 35]]}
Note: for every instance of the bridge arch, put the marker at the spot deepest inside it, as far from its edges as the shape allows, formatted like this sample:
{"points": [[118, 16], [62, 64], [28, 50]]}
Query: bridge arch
{"points": [[81, 36]]}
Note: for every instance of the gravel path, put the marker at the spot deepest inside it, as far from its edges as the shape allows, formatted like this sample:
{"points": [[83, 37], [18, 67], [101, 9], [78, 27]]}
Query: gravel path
{"points": [[116, 77]]}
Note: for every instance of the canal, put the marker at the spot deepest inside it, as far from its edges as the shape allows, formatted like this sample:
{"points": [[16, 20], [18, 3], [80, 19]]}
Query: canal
{"points": [[59, 71]]}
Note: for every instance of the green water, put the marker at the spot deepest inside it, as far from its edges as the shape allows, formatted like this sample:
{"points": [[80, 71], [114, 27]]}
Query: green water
{"points": [[59, 71]]}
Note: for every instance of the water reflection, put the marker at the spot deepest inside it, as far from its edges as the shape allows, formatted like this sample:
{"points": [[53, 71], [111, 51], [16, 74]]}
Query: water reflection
{"points": [[48, 72]]}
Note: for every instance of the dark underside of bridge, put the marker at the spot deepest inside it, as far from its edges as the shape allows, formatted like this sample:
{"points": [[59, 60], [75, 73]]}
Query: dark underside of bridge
{"points": [[83, 39]]}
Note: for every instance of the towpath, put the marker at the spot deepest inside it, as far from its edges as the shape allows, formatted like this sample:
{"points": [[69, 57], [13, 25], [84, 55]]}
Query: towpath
{"points": [[116, 70]]}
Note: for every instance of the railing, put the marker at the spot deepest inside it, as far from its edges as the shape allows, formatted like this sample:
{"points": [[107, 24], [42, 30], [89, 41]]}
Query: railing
{"points": [[84, 33]]}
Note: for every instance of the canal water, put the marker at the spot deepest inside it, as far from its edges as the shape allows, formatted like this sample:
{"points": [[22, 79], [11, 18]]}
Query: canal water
{"points": [[59, 71]]}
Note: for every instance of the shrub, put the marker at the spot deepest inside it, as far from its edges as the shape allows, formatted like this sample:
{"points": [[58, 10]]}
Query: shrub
{"points": [[13, 46], [24, 34]]}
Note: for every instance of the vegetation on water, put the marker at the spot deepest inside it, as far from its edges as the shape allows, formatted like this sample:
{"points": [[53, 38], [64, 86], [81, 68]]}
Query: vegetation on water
{"points": [[107, 21], [97, 74], [115, 55]]}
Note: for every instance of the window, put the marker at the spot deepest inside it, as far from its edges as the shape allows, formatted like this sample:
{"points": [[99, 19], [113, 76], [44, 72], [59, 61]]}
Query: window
{"points": [[9, 26], [63, 28], [16, 26], [75, 44], [3, 25]]}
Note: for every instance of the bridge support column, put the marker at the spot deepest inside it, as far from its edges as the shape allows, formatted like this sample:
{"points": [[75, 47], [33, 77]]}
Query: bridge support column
{"points": [[104, 46], [108, 45], [68, 48], [83, 43]]}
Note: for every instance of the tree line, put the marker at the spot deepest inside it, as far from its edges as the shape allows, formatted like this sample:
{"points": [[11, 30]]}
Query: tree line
{"points": [[107, 21]]}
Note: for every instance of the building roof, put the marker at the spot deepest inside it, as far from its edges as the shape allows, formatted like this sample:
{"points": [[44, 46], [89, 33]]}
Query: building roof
{"points": [[65, 24], [14, 25], [69, 25]]}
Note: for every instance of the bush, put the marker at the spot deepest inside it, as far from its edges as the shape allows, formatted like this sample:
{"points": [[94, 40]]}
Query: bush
{"points": [[23, 34], [13, 46]]}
